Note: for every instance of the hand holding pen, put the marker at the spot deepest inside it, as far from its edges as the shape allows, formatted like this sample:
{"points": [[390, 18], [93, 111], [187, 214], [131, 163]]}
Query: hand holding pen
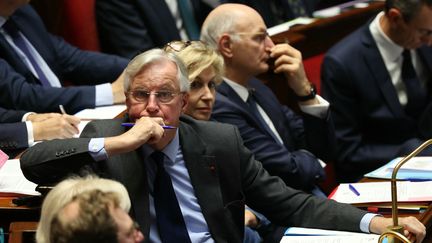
{"points": [[146, 130]]}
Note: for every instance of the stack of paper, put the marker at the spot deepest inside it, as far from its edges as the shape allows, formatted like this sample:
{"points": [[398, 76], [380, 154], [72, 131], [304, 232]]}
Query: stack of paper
{"points": [[13, 182], [102, 112], [377, 192], [305, 235], [418, 168]]}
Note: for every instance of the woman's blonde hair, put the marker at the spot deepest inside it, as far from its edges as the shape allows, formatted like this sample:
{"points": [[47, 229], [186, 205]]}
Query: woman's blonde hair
{"points": [[197, 56], [65, 191]]}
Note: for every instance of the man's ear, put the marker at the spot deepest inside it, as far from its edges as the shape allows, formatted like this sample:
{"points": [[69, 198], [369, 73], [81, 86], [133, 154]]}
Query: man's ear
{"points": [[395, 16], [185, 101], [225, 45]]}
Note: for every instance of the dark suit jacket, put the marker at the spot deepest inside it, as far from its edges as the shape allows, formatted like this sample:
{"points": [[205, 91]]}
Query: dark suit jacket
{"points": [[13, 132], [371, 125], [292, 162], [17, 93], [223, 173], [67, 62], [128, 27]]}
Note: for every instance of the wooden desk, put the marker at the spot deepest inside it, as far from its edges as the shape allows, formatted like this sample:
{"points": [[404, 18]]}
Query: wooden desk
{"points": [[18, 230], [9, 212], [319, 36]]}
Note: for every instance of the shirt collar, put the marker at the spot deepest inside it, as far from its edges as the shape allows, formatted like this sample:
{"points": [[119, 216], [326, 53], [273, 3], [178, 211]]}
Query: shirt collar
{"points": [[241, 90], [170, 150], [390, 50]]}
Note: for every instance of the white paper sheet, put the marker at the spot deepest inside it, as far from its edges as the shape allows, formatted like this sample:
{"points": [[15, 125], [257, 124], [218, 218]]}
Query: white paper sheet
{"points": [[374, 192], [308, 235], [13, 181], [102, 112]]}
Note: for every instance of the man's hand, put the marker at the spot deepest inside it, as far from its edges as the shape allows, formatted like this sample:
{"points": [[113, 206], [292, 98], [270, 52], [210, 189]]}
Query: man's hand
{"points": [[118, 90], [288, 61], [146, 130], [34, 117], [414, 230], [250, 219], [54, 125]]}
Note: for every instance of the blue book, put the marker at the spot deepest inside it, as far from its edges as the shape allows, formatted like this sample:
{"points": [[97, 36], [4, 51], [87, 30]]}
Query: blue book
{"points": [[417, 169]]}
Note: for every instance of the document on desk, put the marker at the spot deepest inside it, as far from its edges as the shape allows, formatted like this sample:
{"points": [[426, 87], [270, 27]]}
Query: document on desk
{"points": [[418, 168], [102, 112], [307, 235], [280, 28], [13, 182], [378, 192]]}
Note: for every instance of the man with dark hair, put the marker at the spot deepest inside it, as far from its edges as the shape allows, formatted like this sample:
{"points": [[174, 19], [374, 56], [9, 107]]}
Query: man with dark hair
{"points": [[94, 216], [378, 81]]}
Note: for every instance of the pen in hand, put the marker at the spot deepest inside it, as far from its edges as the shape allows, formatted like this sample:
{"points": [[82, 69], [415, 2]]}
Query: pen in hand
{"points": [[129, 124], [62, 110], [353, 189]]}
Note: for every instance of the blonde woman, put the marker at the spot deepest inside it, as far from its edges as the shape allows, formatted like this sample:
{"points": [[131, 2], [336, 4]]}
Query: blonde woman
{"points": [[205, 69], [65, 192]]}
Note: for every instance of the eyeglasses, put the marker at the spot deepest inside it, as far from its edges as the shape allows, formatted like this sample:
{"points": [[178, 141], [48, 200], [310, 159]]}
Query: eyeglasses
{"points": [[163, 96], [259, 36], [179, 46]]}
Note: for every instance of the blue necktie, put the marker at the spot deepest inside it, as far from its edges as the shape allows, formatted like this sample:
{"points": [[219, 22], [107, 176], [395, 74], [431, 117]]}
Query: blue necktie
{"points": [[417, 96], [188, 18], [251, 101], [170, 222], [19, 41]]}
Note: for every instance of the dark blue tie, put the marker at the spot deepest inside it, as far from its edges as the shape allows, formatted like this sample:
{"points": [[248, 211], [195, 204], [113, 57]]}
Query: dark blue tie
{"points": [[170, 222], [251, 101], [188, 18], [417, 96], [19, 41]]}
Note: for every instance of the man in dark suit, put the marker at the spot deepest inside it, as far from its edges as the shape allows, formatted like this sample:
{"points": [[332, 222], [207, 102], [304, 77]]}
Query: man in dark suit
{"points": [[283, 140], [127, 28], [379, 111], [19, 129], [43, 59], [211, 174]]}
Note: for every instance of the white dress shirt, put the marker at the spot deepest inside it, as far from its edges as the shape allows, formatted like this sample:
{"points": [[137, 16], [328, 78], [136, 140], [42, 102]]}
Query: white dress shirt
{"points": [[392, 56]]}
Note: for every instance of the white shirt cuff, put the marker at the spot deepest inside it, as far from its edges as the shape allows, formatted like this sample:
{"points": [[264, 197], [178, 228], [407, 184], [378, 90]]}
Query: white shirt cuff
{"points": [[97, 150], [319, 110], [104, 95], [365, 222], [30, 137], [24, 118]]}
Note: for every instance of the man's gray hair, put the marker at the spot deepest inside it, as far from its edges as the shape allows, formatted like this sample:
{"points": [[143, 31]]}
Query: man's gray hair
{"points": [[408, 8], [153, 56], [213, 29]]}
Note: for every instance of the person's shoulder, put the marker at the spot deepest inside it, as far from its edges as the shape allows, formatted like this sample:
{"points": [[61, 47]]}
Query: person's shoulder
{"points": [[352, 42], [206, 127], [106, 127]]}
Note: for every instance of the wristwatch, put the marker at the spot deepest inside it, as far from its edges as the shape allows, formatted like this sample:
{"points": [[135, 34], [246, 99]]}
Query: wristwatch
{"points": [[310, 96]]}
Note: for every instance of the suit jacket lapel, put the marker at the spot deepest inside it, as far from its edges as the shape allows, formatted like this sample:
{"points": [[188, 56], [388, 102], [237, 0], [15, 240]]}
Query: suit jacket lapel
{"points": [[272, 109], [205, 181], [375, 63], [38, 41], [228, 92]]}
